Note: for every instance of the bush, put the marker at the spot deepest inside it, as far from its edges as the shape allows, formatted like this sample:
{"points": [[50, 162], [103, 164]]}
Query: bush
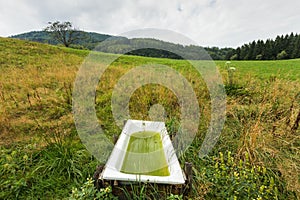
{"points": [[282, 55]]}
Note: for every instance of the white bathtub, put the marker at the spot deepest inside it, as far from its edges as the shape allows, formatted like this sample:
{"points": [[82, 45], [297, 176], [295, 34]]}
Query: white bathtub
{"points": [[112, 169]]}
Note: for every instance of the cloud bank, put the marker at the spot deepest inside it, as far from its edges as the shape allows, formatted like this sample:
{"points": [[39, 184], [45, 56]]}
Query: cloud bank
{"points": [[208, 22]]}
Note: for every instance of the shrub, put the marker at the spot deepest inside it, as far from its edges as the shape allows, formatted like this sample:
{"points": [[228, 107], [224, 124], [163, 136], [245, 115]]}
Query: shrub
{"points": [[282, 55]]}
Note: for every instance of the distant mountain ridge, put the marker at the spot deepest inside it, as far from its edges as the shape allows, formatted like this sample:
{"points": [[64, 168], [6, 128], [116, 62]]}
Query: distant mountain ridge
{"points": [[283, 47], [135, 46], [89, 42]]}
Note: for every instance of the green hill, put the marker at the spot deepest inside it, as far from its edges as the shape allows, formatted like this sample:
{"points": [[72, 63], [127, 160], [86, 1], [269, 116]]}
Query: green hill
{"points": [[42, 157], [120, 45], [89, 41], [283, 47]]}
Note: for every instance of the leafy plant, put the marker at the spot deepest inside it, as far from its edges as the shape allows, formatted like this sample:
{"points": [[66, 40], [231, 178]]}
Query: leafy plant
{"points": [[175, 197], [88, 191]]}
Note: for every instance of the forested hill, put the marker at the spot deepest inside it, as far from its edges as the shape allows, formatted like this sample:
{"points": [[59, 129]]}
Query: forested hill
{"points": [[88, 41], [122, 45], [161, 49], [282, 47]]}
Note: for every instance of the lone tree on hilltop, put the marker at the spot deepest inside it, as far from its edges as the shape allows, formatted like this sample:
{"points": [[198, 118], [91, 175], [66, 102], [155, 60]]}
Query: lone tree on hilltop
{"points": [[64, 32]]}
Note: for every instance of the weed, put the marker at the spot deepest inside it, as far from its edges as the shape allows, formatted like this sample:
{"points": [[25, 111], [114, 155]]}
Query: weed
{"points": [[238, 179], [88, 191]]}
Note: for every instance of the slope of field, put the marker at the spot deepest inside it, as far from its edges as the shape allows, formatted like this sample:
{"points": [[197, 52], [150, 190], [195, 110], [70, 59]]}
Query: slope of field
{"points": [[32, 82], [257, 155]]}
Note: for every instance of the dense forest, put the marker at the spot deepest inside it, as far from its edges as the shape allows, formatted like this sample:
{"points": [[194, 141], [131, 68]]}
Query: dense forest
{"points": [[156, 48], [283, 47]]}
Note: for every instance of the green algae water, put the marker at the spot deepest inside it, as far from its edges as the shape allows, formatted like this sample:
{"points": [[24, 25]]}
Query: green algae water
{"points": [[145, 155]]}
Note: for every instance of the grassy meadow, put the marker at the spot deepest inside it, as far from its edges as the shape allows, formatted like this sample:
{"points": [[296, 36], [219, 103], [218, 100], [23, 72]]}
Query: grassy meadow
{"points": [[256, 157]]}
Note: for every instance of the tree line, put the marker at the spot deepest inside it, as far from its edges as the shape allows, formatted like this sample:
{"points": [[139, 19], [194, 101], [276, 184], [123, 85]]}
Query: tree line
{"points": [[283, 47]]}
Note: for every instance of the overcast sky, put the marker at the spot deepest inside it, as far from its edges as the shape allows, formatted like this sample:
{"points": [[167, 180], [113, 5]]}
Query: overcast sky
{"points": [[208, 22]]}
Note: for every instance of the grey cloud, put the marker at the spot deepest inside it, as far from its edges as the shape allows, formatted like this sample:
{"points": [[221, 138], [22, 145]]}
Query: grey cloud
{"points": [[208, 22]]}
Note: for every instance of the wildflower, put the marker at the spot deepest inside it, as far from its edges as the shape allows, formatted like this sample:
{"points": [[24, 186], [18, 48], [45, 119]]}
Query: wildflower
{"points": [[74, 190], [25, 157], [107, 190], [8, 158], [6, 165]]}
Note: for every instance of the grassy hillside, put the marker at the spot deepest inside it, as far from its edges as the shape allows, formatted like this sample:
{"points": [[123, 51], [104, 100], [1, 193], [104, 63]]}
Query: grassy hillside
{"points": [[42, 156]]}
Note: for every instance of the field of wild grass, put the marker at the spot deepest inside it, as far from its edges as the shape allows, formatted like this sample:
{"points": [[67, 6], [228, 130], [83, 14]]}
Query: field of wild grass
{"points": [[256, 157]]}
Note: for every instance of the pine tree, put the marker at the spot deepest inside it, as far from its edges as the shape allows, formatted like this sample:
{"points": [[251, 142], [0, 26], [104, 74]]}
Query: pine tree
{"points": [[266, 54], [296, 51], [259, 48], [291, 45], [245, 52]]}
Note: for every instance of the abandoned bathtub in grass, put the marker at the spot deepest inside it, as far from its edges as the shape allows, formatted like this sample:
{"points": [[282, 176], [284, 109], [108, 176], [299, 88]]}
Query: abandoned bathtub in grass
{"points": [[144, 153]]}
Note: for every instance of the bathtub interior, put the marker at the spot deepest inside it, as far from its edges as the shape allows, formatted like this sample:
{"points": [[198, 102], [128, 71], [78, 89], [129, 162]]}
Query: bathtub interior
{"points": [[112, 169]]}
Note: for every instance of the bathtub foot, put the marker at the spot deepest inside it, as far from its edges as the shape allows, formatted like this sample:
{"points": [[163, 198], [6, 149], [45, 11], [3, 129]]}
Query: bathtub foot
{"points": [[116, 183], [188, 169], [97, 182]]}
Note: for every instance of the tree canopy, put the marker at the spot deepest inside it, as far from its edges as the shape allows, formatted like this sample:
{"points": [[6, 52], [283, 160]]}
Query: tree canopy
{"points": [[63, 32]]}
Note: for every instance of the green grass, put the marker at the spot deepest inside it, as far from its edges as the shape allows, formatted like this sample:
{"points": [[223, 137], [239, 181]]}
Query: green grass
{"points": [[43, 157], [265, 70]]}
